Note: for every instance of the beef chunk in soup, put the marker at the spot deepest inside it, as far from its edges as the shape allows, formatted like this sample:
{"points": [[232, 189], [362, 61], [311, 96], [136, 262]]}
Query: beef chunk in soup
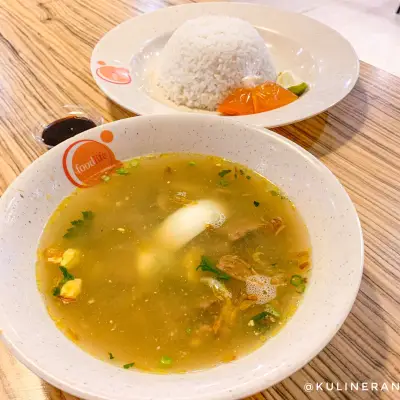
{"points": [[234, 266]]}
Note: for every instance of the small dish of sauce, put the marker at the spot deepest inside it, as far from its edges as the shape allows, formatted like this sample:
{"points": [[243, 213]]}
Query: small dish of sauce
{"points": [[65, 128], [74, 119]]}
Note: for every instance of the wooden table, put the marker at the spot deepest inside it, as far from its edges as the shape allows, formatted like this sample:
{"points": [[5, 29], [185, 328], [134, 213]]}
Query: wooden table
{"points": [[45, 47]]}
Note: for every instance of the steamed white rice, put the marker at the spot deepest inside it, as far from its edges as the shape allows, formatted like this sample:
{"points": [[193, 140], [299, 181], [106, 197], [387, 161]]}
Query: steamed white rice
{"points": [[209, 56]]}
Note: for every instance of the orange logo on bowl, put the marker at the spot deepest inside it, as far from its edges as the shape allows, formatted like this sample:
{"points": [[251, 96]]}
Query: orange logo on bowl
{"points": [[86, 161]]}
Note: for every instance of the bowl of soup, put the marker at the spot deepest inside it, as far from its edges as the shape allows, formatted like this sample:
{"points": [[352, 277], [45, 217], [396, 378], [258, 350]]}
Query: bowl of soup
{"points": [[175, 257]]}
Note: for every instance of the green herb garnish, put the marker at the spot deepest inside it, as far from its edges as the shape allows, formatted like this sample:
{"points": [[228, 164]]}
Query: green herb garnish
{"points": [[259, 317], [192, 163], [256, 203], [269, 311], [274, 264], [206, 265], [272, 311], [134, 163], [130, 365], [69, 233], [224, 172], [223, 183], [241, 172], [121, 171], [188, 331], [87, 215], [78, 224], [248, 177], [274, 193], [111, 357], [105, 178], [165, 360], [66, 277]]}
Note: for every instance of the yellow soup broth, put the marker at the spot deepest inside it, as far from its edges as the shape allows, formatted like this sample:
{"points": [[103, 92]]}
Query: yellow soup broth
{"points": [[175, 262]]}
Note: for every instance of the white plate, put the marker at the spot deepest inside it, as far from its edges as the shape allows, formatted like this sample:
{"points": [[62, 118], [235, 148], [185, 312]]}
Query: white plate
{"points": [[313, 51], [335, 234]]}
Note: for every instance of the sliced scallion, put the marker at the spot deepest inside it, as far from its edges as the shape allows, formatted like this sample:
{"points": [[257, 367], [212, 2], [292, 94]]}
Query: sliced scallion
{"points": [[224, 172], [121, 171], [301, 288], [296, 280], [165, 360]]}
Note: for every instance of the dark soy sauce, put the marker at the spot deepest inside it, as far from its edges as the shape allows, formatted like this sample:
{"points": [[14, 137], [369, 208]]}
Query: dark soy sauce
{"points": [[65, 128]]}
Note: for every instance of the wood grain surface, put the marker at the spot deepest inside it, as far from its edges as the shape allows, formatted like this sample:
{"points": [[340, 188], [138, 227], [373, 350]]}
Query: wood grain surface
{"points": [[45, 47]]}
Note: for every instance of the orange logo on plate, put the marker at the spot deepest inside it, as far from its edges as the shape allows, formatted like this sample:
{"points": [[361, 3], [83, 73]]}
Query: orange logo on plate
{"points": [[86, 161], [113, 74]]}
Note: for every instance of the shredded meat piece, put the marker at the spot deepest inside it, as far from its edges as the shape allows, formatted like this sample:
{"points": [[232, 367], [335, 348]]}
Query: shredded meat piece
{"points": [[226, 318], [235, 267], [277, 225], [246, 227], [216, 326], [304, 265], [66, 300], [243, 229], [53, 255], [180, 198], [279, 280], [245, 304]]}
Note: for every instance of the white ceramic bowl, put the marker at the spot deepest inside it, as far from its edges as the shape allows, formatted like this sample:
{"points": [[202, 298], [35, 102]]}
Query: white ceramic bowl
{"points": [[313, 51], [332, 221]]}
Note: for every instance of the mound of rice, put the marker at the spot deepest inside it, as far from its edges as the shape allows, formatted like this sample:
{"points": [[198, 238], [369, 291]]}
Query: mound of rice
{"points": [[209, 56]]}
